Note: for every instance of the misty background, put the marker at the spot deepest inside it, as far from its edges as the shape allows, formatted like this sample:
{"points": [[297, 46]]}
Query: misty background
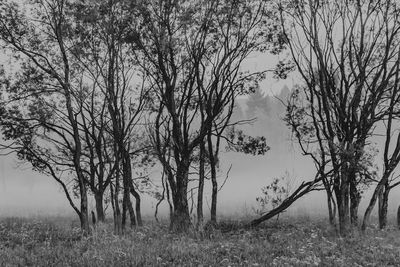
{"points": [[24, 192]]}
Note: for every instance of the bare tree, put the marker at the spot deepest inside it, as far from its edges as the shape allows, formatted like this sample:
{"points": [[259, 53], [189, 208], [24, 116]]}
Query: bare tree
{"points": [[347, 54]]}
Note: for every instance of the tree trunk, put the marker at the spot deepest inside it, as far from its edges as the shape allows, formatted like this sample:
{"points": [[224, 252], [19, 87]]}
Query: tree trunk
{"points": [[124, 210], [171, 206], [137, 205], [132, 215], [201, 186], [117, 211], [343, 207], [127, 178], [383, 207], [129, 186], [98, 197], [330, 201], [214, 183], [398, 217], [371, 205], [302, 190], [355, 199], [181, 217], [84, 215], [331, 209]]}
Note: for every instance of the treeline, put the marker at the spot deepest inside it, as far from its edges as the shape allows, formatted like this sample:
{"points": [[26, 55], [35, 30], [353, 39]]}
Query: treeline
{"points": [[99, 91]]}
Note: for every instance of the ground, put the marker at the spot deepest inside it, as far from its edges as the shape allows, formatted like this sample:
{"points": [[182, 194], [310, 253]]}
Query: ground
{"points": [[289, 242]]}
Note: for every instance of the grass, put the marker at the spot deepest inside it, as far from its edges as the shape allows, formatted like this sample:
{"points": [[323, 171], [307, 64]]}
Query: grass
{"points": [[300, 242]]}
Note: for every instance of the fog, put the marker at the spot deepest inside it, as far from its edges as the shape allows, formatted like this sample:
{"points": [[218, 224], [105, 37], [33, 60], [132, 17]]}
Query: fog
{"points": [[24, 192]]}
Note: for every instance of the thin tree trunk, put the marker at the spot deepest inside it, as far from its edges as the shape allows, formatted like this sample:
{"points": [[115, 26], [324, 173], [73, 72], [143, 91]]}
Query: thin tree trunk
{"points": [[131, 189], [303, 189], [383, 207], [118, 218], [84, 215], [124, 210], [331, 210], [171, 206], [214, 183], [201, 186], [132, 215], [330, 201], [137, 205], [398, 217], [371, 205]]}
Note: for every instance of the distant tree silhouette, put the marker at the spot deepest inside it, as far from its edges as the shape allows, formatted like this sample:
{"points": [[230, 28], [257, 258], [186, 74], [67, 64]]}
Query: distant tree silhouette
{"points": [[257, 101]]}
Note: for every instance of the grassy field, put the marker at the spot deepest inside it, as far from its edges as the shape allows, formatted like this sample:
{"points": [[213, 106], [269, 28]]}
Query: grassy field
{"points": [[300, 242]]}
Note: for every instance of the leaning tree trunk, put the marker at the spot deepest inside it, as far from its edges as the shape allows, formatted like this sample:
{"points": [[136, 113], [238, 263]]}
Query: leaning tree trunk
{"points": [[132, 215], [377, 192], [303, 189]]}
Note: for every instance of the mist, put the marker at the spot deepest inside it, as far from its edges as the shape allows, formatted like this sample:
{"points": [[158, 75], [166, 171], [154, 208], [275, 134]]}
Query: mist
{"points": [[26, 193]]}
